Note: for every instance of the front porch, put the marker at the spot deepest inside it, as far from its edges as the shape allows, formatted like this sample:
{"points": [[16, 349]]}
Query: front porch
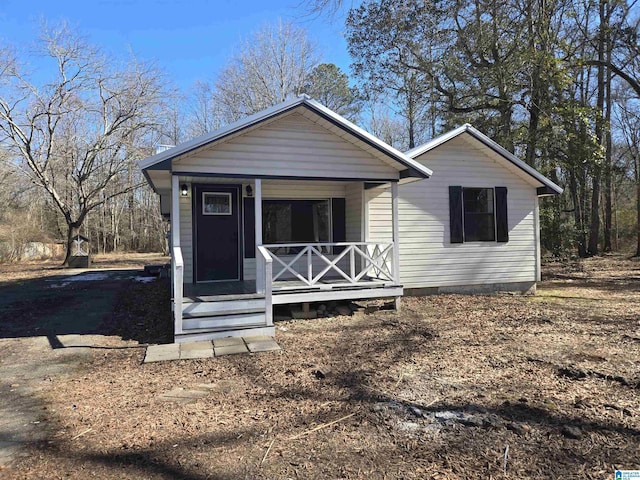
{"points": [[285, 273], [223, 309]]}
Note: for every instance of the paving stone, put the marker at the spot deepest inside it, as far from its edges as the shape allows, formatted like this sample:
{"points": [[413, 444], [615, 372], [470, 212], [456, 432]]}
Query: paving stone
{"points": [[207, 387], [160, 353], [196, 354], [230, 350], [263, 346], [257, 338], [227, 342], [180, 395], [196, 345], [196, 350]]}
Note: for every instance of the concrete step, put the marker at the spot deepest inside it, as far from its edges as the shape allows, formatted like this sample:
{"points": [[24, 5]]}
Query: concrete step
{"points": [[198, 335], [221, 298], [225, 321], [210, 309]]}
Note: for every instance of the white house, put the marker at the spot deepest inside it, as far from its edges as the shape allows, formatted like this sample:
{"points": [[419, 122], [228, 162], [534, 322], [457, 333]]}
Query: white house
{"points": [[295, 204]]}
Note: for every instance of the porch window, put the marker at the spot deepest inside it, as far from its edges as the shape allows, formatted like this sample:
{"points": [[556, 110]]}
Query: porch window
{"points": [[296, 221]]}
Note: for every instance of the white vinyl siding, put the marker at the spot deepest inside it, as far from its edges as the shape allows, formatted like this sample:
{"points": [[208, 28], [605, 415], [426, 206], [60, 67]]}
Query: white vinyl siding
{"points": [[294, 189], [292, 146], [427, 258], [354, 211], [186, 237]]}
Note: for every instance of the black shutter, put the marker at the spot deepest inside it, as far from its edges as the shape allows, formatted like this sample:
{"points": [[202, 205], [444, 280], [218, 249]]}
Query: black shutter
{"points": [[338, 222], [455, 214], [249, 227], [502, 223]]}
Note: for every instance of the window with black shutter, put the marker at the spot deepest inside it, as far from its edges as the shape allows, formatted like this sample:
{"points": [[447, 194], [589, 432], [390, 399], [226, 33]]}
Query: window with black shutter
{"points": [[478, 214]]}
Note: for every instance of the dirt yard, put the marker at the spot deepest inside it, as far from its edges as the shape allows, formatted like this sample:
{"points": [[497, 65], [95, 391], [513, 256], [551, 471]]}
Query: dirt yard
{"points": [[454, 387], [30, 270]]}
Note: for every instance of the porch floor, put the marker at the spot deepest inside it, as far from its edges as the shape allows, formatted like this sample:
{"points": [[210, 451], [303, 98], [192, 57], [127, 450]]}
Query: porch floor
{"points": [[201, 291], [245, 289]]}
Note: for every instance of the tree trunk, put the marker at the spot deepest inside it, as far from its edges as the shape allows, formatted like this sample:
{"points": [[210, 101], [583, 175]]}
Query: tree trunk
{"points": [[73, 230], [608, 174], [594, 230], [581, 240], [637, 178]]}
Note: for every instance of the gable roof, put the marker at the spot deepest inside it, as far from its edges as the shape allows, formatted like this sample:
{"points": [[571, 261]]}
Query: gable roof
{"points": [[405, 164], [549, 188]]}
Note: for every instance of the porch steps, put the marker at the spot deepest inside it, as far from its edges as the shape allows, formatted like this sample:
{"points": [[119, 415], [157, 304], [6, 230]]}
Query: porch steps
{"points": [[224, 321], [226, 307], [207, 334], [222, 316]]}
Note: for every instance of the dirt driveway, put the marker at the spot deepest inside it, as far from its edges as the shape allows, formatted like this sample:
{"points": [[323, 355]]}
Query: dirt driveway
{"points": [[50, 321]]}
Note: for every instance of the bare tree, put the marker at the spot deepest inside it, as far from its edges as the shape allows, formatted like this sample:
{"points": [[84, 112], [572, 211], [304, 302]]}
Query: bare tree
{"points": [[204, 114], [76, 135], [270, 66], [384, 122]]}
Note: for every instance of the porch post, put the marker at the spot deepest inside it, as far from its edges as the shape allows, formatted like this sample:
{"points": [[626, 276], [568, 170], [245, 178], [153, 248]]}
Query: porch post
{"points": [[260, 285], [177, 262], [175, 211], [396, 239], [396, 228]]}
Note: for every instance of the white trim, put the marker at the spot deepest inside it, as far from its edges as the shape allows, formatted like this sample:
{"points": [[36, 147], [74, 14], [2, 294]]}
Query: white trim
{"points": [[536, 226], [284, 297], [395, 222], [257, 212], [467, 128], [268, 282], [177, 262]]}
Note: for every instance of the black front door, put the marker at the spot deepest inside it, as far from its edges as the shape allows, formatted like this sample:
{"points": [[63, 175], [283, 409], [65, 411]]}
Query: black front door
{"points": [[216, 232]]}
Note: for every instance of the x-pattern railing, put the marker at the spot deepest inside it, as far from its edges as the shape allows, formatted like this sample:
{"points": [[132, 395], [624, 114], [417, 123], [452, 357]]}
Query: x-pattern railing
{"points": [[366, 262]]}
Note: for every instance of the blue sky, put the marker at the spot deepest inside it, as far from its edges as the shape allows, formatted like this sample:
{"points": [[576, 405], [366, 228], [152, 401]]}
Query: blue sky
{"points": [[189, 39]]}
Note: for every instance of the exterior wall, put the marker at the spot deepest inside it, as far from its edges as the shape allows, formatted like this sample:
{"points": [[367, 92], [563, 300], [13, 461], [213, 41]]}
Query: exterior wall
{"points": [[354, 211], [427, 258], [186, 237], [292, 146], [271, 189]]}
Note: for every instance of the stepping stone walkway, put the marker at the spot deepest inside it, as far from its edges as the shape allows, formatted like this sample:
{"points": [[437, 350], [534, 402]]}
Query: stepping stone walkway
{"points": [[195, 392], [208, 349]]}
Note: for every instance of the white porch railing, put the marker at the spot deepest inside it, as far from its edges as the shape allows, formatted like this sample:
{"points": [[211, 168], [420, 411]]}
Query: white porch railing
{"points": [[177, 276], [358, 263], [265, 284]]}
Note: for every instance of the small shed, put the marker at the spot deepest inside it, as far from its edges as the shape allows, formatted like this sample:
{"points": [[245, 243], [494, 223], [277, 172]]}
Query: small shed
{"points": [[80, 253]]}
